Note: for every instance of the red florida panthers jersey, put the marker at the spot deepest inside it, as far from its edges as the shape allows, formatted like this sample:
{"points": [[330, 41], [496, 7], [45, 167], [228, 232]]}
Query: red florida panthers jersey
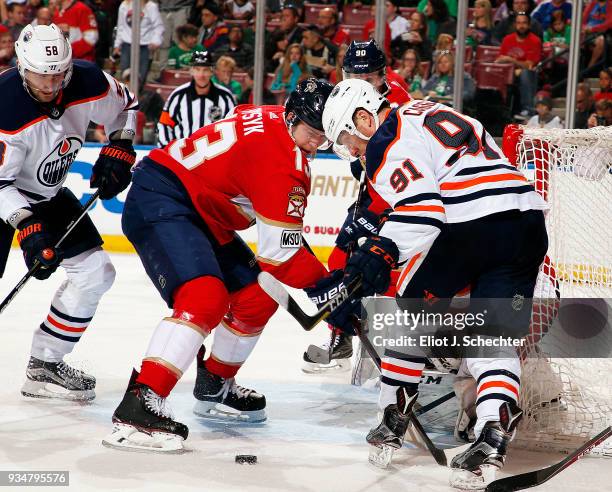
{"points": [[244, 170]]}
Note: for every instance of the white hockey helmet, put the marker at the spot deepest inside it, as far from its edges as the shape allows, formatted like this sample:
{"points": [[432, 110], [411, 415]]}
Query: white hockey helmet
{"points": [[44, 50], [346, 98]]}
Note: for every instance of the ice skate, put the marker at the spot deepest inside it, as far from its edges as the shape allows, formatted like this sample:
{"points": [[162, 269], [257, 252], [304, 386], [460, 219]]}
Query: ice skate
{"points": [[476, 467], [143, 422], [223, 399], [319, 359], [57, 380], [388, 436]]}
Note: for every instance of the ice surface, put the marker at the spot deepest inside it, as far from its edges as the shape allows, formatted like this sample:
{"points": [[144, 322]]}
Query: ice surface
{"points": [[314, 439]]}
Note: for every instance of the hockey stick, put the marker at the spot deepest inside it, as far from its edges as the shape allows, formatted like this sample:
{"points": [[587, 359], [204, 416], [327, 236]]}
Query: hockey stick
{"points": [[442, 456], [538, 477], [277, 291], [37, 264]]}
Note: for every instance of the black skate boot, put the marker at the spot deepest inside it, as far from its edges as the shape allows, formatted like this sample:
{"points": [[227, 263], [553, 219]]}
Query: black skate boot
{"points": [[476, 467], [223, 399], [57, 380], [143, 422], [321, 359], [388, 436]]}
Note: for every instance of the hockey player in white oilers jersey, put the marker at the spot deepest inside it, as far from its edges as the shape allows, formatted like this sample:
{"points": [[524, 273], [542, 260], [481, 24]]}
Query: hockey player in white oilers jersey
{"points": [[47, 104], [462, 215]]}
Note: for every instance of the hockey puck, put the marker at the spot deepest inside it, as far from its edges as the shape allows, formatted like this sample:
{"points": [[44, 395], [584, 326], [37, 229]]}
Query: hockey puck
{"points": [[246, 459]]}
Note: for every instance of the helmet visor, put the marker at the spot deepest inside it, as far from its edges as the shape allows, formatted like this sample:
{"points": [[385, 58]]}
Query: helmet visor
{"points": [[377, 79], [44, 87]]}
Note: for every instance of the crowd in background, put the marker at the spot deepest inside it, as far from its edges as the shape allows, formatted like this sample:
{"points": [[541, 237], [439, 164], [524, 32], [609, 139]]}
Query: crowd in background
{"points": [[522, 40]]}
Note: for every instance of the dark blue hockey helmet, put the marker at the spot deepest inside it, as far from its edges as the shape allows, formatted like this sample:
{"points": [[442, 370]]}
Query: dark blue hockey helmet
{"points": [[363, 57], [307, 101]]}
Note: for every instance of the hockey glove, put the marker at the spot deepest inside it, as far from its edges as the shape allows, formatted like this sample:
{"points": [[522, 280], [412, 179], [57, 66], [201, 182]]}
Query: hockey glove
{"points": [[374, 261], [361, 224], [112, 171], [327, 288], [38, 245]]}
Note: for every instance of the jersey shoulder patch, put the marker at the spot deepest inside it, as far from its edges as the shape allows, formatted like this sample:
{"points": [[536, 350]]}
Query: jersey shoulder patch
{"points": [[385, 136], [87, 82], [17, 108]]}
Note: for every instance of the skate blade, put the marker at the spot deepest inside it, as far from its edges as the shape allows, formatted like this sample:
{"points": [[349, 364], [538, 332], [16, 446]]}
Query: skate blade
{"points": [[129, 438], [467, 480], [37, 389], [336, 365], [218, 411], [381, 456]]}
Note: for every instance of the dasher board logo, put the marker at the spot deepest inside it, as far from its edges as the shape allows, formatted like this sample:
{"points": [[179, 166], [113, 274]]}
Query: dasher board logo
{"points": [[53, 169], [291, 239]]}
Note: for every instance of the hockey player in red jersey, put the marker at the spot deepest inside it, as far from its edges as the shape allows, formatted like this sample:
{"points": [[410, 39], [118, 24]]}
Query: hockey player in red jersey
{"points": [[366, 61], [452, 192], [186, 203], [77, 20]]}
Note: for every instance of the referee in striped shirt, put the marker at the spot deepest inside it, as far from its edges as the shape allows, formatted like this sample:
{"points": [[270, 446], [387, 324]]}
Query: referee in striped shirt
{"points": [[195, 104]]}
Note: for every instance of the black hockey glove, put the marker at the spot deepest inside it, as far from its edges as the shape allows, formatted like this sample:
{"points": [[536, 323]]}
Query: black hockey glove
{"points": [[328, 288], [37, 244], [374, 261], [112, 171], [361, 224]]}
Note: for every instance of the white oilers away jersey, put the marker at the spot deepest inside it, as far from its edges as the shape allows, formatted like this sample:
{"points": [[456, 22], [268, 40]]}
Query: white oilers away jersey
{"points": [[433, 165], [37, 150]]}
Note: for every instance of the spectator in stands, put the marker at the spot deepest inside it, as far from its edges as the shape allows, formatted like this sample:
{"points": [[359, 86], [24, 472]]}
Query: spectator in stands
{"points": [[151, 35], [544, 117], [451, 5], [369, 29], [557, 37], [15, 17], [327, 22], [439, 87], [416, 38], [597, 18], [78, 22], [444, 43], [336, 75], [287, 33], [398, 24], [213, 34], [239, 9], [524, 50], [438, 20], [247, 93], [506, 26], [605, 85], [7, 50], [224, 71], [31, 7], [181, 53], [174, 13], [43, 17], [585, 106], [320, 54], [602, 115], [236, 48], [480, 30], [411, 71], [543, 12], [292, 70], [194, 105]]}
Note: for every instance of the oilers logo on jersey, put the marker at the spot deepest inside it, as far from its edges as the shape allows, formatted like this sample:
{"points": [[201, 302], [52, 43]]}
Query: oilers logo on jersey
{"points": [[53, 168]]}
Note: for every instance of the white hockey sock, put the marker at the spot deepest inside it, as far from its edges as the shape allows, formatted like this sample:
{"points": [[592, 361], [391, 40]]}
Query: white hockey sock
{"points": [[233, 347]]}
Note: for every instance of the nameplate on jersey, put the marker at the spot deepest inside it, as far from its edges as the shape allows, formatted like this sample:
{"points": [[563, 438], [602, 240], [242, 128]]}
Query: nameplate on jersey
{"points": [[291, 239]]}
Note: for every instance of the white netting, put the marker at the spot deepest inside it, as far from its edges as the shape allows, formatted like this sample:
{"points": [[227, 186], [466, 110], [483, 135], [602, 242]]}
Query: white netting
{"points": [[566, 401]]}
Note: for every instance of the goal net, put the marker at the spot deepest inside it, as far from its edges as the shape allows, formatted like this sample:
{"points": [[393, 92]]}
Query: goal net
{"points": [[568, 400]]}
